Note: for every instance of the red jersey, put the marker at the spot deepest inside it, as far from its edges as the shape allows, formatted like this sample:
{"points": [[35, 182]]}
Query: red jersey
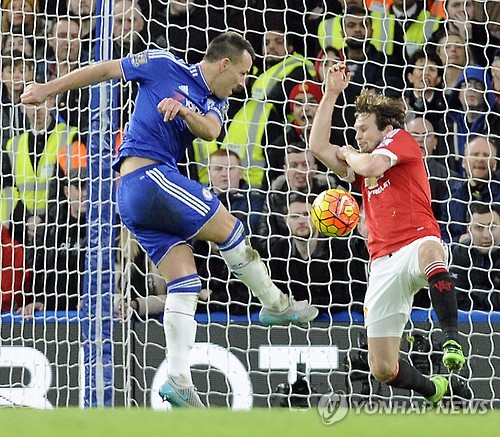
{"points": [[397, 204]]}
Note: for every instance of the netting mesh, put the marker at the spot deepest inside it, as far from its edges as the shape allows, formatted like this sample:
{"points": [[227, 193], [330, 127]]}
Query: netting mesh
{"points": [[444, 63]]}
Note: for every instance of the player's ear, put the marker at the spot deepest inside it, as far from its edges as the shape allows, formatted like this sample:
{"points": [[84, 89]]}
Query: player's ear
{"points": [[224, 64]]}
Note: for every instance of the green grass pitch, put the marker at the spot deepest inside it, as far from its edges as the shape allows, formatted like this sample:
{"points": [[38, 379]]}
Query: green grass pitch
{"points": [[72, 422]]}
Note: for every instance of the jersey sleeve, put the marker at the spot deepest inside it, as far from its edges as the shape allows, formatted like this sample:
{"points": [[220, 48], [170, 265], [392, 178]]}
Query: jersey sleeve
{"points": [[400, 147], [139, 67], [219, 108]]}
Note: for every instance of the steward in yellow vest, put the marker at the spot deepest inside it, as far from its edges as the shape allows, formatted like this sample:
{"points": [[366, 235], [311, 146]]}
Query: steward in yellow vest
{"points": [[29, 165], [400, 34], [263, 116]]}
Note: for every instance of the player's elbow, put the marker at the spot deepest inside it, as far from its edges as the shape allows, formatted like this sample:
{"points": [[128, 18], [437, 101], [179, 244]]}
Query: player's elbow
{"points": [[319, 150], [210, 134]]}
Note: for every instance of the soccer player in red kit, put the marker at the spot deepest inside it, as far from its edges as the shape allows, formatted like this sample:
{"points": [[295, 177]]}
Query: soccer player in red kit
{"points": [[406, 251]]}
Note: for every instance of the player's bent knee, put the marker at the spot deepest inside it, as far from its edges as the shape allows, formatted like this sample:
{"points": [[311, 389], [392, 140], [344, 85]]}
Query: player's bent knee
{"points": [[382, 370], [431, 251]]}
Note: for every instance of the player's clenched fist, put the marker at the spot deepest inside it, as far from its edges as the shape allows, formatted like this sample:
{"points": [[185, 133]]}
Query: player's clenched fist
{"points": [[170, 108], [34, 94]]}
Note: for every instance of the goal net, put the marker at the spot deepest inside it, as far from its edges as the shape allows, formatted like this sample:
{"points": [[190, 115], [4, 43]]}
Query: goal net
{"points": [[82, 305]]}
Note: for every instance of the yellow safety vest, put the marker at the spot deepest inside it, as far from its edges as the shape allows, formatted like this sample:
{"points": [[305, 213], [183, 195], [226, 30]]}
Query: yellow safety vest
{"points": [[29, 186], [247, 129], [415, 36], [202, 151], [330, 33]]}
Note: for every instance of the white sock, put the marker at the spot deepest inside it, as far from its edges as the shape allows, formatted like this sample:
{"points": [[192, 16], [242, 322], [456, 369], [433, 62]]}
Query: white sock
{"points": [[180, 333], [248, 267]]}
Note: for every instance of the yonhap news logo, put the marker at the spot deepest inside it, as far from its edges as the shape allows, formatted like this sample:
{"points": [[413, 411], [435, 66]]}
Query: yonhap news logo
{"points": [[334, 407]]}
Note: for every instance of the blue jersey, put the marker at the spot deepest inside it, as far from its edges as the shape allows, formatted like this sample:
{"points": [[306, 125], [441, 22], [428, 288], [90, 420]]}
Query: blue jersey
{"points": [[160, 75]]}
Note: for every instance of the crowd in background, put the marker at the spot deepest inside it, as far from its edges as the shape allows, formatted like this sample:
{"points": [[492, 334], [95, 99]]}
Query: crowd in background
{"points": [[441, 57]]}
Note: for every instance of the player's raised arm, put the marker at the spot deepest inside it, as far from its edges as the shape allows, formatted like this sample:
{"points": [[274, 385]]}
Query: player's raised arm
{"points": [[36, 93], [319, 141]]}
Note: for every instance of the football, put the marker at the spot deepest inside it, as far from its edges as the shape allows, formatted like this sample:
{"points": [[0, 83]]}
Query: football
{"points": [[335, 212]]}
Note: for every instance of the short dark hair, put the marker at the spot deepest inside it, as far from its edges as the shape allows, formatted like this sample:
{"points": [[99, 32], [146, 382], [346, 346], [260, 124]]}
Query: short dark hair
{"points": [[297, 147], [387, 110], [297, 196], [17, 57], [483, 208], [428, 56], [229, 45], [357, 11]]}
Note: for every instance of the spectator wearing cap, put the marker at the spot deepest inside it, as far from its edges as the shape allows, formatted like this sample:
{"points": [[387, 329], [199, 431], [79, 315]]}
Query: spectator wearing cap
{"points": [[60, 246], [469, 113], [303, 101]]}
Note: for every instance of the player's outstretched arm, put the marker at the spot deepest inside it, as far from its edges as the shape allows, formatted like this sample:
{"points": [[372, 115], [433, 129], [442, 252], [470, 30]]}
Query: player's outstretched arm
{"points": [[36, 93], [319, 141]]}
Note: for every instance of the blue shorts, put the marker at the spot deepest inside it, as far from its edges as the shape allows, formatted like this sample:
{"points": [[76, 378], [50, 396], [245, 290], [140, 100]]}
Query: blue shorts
{"points": [[163, 208]]}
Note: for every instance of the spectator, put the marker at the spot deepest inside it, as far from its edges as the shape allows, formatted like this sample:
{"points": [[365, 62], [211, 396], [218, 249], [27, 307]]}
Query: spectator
{"points": [[482, 185], [128, 37], [16, 275], [364, 61], [476, 262], [470, 105], [440, 176], [263, 115], [254, 18], [12, 43], [330, 29], [463, 18], [185, 27], [128, 28], [16, 72], [399, 32], [341, 131], [324, 60], [140, 289], [455, 56], [68, 54], [32, 161], [300, 176], [22, 18], [425, 95], [307, 266], [227, 183], [303, 100], [83, 11], [60, 249]]}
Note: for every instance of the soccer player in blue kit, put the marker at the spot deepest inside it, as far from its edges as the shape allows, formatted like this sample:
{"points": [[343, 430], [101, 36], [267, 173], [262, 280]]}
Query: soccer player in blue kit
{"points": [[177, 102]]}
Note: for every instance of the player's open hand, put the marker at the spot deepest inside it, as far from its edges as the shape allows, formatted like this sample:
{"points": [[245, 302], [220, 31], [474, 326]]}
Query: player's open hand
{"points": [[34, 94], [337, 78], [171, 108]]}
